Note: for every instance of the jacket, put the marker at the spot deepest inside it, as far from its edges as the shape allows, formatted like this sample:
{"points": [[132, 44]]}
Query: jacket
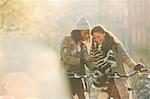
{"points": [[71, 59]]}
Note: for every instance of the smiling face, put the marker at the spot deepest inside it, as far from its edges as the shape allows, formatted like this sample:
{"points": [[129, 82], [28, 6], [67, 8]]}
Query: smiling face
{"points": [[98, 37], [85, 35]]}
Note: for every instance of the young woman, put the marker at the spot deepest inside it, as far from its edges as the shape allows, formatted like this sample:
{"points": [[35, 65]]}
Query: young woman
{"points": [[111, 56], [74, 51]]}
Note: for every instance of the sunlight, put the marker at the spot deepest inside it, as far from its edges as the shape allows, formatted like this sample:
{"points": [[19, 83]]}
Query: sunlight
{"points": [[148, 76], [55, 0], [56, 3]]}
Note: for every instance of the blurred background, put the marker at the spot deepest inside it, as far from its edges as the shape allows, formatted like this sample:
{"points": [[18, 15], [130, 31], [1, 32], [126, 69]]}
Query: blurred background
{"points": [[31, 32]]}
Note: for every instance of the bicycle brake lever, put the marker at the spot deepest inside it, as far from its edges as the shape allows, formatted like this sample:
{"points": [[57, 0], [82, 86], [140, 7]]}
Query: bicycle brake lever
{"points": [[76, 76], [143, 70], [116, 75]]}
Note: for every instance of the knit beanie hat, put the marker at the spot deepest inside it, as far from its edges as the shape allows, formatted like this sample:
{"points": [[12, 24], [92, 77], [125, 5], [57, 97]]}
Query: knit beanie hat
{"points": [[82, 24]]}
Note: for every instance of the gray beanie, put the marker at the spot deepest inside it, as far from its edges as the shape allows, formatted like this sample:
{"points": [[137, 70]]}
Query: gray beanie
{"points": [[82, 24]]}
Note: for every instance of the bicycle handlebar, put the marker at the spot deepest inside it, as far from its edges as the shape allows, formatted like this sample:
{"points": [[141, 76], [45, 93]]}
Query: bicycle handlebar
{"points": [[113, 75], [79, 76], [118, 75]]}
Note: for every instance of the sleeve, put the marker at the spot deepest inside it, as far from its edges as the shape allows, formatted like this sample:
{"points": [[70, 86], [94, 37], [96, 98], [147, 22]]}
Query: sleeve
{"points": [[125, 56], [65, 54]]}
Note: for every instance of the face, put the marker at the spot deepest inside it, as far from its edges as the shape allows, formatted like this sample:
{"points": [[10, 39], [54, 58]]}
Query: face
{"points": [[85, 34], [99, 37]]}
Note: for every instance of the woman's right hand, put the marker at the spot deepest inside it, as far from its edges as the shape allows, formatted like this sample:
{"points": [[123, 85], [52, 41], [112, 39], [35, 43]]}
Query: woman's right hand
{"points": [[138, 66]]}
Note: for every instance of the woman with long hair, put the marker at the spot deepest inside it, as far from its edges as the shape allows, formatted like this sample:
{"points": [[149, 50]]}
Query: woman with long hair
{"points": [[111, 56]]}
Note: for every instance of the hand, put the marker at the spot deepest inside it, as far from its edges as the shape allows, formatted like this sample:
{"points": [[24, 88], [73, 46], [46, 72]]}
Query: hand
{"points": [[90, 59], [138, 66], [97, 72]]}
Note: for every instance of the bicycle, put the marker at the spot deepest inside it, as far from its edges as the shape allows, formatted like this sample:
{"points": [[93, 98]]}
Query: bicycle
{"points": [[104, 85], [116, 77]]}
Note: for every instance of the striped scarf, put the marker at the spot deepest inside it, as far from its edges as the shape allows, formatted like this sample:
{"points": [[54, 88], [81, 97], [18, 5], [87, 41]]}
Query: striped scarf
{"points": [[104, 61]]}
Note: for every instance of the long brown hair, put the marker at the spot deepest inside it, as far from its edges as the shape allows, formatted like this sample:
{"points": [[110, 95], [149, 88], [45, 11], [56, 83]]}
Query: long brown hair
{"points": [[109, 41], [76, 36]]}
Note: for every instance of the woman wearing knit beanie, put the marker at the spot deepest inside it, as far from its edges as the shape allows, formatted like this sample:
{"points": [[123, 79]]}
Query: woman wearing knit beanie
{"points": [[74, 54]]}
